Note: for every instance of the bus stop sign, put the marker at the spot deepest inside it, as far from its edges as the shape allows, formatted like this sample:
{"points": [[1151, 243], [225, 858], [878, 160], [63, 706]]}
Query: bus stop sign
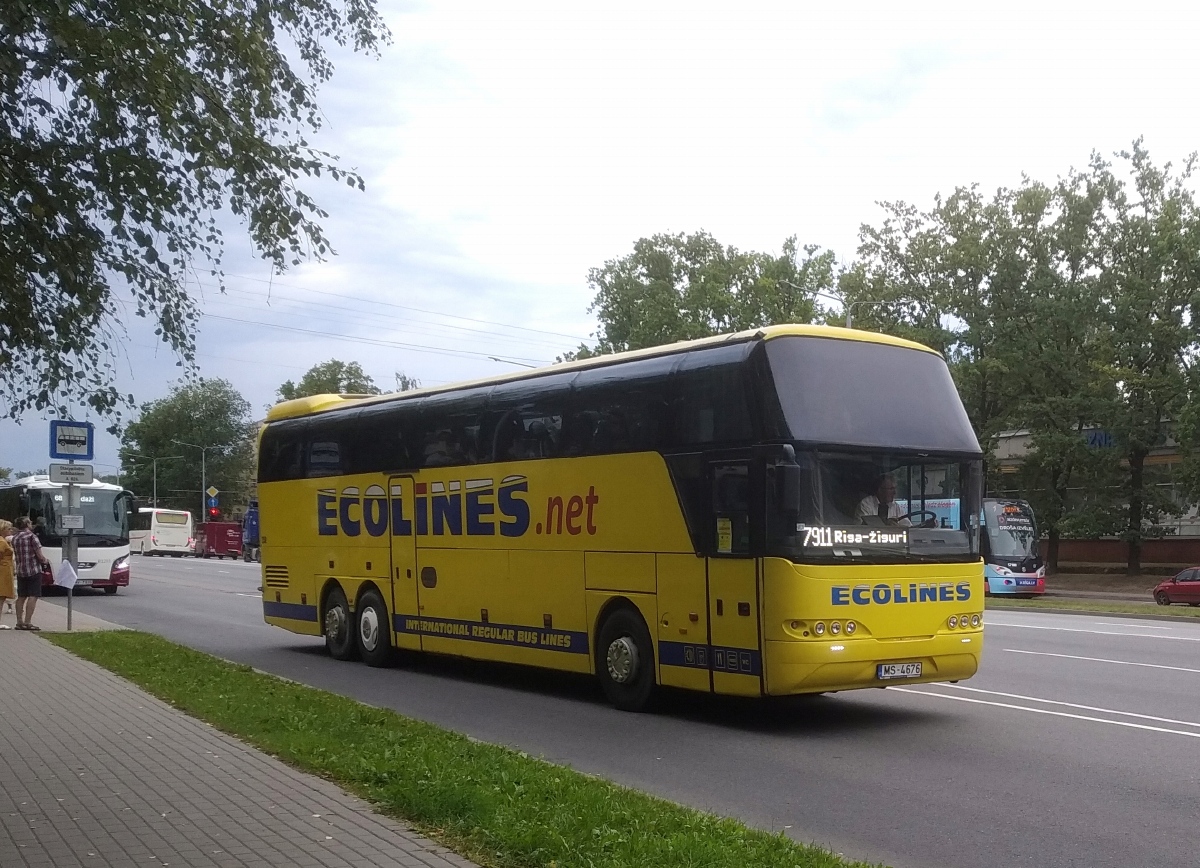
{"points": [[71, 441]]}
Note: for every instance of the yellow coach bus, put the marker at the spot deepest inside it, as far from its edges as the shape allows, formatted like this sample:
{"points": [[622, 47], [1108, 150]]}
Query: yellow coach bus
{"points": [[749, 514]]}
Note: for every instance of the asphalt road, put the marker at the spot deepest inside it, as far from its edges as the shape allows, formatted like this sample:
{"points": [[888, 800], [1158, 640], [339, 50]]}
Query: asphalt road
{"points": [[1078, 744]]}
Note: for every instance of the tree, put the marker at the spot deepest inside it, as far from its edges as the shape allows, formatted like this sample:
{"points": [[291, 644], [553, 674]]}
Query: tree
{"points": [[678, 287], [405, 383], [5, 472], [124, 129], [330, 378], [1150, 291], [1007, 289], [208, 413]]}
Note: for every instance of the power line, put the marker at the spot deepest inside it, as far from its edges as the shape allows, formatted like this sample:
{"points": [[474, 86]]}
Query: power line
{"points": [[408, 307], [420, 348], [408, 325]]}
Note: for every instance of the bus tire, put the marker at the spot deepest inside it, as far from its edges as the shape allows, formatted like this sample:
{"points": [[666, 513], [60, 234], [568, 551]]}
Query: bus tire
{"points": [[110, 590], [374, 637], [336, 622], [625, 660]]}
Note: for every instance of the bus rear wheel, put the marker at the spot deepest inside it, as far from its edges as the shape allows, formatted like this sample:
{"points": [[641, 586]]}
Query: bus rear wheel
{"points": [[339, 636], [625, 660], [374, 637]]}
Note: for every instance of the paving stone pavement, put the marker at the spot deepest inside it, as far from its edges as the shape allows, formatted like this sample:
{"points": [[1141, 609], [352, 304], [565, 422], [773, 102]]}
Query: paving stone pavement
{"points": [[95, 772]]}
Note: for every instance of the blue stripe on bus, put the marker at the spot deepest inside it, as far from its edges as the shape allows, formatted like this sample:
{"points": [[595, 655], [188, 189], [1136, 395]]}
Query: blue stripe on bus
{"points": [[292, 611], [542, 638], [742, 661]]}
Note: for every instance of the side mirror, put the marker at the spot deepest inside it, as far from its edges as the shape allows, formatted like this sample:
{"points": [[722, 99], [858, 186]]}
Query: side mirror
{"points": [[23, 502]]}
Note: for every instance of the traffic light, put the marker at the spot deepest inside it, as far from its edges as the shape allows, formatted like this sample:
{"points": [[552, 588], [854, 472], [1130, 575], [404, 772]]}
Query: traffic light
{"points": [[214, 513]]}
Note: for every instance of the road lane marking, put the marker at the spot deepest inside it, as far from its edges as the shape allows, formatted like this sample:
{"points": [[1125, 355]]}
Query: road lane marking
{"points": [[1048, 711], [991, 623], [1104, 660], [1140, 626], [1070, 704], [240, 594]]}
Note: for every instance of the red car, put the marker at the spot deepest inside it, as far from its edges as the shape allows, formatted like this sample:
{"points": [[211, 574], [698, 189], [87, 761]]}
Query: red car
{"points": [[1182, 588]]}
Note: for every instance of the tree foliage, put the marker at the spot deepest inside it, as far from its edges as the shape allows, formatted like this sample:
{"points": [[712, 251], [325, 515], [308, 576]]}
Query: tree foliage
{"points": [[679, 287], [206, 413], [333, 377], [125, 128], [1062, 310]]}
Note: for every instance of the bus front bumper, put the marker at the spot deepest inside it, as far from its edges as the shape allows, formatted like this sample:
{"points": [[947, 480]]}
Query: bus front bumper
{"points": [[816, 666]]}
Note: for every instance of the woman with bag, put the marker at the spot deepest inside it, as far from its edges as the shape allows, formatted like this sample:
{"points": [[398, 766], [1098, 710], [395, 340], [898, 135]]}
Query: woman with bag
{"points": [[7, 572]]}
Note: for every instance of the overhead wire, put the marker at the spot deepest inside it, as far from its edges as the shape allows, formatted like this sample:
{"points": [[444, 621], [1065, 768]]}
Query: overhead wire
{"points": [[420, 348], [405, 325], [409, 307]]}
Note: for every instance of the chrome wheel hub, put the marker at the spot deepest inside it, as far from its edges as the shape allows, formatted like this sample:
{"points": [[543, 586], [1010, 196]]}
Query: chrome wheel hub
{"points": [[368, 628], [622, 660], [335, 623]]}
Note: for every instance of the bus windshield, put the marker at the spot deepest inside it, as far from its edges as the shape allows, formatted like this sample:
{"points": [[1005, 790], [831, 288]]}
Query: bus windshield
{"points": [[1011, 530], [105, 521], [878, 507]]}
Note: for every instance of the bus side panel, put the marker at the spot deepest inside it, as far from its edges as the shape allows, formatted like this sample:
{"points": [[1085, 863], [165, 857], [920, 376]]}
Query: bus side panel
{"points": [[684, 652], [733, 613], [620, 571], [546, 591]]}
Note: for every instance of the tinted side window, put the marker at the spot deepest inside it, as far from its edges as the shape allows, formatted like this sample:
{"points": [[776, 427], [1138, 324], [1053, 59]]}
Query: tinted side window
{"points": [[384, 438], [621, 408], [526, 418], [452, 428], [281, 451], [324, 450], [710, 393]]}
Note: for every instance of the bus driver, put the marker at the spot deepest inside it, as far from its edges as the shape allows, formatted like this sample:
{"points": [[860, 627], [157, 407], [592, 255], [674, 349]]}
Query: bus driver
{"points": [[882, 504]]}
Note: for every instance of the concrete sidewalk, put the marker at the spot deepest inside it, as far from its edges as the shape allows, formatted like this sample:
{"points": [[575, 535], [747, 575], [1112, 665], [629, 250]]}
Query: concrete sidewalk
{"points": [[52, 618], [95, 772]]}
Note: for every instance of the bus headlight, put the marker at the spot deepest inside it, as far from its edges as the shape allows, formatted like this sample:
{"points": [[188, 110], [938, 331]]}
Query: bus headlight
{"points": [[819, 628], [953, 621], [835, 628], [976, 620], [850, 628]]}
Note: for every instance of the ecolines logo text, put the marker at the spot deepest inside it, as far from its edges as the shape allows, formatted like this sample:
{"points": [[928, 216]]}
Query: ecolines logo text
{"points": [[474, 507], [882, 595]]}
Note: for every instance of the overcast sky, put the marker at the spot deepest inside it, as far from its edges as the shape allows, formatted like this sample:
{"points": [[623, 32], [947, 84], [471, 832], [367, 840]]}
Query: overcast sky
{"points": [[508, 148]]}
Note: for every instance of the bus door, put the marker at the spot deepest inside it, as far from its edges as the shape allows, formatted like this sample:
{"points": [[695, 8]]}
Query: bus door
{"points": [[404, 600], [735, 652]]}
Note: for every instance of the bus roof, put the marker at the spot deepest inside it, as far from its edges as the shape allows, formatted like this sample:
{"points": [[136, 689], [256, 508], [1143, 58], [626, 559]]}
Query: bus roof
{"points": [[157, 509], [320, 403]]}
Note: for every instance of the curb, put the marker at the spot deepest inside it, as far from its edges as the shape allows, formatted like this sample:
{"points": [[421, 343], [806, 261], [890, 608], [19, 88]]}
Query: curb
{"points": [[1155, 617]]}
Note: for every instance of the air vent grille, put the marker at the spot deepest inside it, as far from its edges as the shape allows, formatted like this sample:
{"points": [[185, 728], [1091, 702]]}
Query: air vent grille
{"points": [[277, 577]]}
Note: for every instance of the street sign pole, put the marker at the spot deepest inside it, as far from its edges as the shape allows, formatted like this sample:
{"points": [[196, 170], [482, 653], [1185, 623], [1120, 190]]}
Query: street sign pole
{"points": [[71, 547]]}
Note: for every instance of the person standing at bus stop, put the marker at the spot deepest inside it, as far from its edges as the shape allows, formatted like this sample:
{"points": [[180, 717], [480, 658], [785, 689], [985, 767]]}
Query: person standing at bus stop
{"points": [[6, 568], [27, 552]]}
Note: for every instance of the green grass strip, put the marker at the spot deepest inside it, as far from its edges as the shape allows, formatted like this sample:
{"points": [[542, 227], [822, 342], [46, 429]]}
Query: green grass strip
{"points": [[1100, 606], [488, 803]]}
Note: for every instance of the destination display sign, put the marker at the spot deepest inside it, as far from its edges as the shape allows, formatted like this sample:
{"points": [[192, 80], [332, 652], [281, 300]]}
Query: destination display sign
{"points": [[828, 537]]}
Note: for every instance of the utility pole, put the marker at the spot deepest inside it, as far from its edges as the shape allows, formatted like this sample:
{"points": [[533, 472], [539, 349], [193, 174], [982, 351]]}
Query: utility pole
{"points": [[203, 470]]}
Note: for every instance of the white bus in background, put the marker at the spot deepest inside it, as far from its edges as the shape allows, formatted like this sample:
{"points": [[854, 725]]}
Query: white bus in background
{"points": [[104, 540], [161, 532]]}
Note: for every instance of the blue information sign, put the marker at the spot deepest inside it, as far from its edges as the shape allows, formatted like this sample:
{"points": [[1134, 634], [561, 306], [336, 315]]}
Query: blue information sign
{"points": [[212, 501], [71, 441]]}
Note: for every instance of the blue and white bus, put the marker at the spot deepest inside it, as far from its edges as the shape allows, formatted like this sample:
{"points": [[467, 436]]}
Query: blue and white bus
{"points": [[1012, 562]]}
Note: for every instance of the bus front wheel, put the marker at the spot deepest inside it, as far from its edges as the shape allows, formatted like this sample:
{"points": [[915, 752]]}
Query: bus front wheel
{"points": [[374, 637], [625, 660], [339, 635]]}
